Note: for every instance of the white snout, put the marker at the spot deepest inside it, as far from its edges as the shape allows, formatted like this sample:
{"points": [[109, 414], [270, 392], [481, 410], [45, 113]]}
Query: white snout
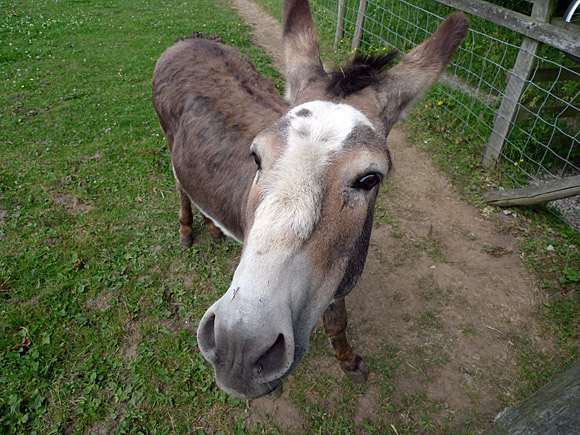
{"points": [[258, 331]]}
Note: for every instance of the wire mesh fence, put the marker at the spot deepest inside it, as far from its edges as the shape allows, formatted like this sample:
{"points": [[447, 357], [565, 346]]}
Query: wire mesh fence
{"points": [[542, 141]]}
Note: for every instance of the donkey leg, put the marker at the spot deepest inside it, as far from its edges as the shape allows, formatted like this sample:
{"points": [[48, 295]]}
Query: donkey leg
{"points": [[216, 233], [334, 320], [185, 220]]}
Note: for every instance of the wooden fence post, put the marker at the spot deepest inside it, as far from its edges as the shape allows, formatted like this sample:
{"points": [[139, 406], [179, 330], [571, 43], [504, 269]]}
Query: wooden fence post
{"points": [[360, 20], [542, 11], [339, 23]]}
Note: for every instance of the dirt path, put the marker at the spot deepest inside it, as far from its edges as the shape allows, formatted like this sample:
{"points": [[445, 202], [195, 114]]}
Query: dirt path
{"points": [[443, 299]]}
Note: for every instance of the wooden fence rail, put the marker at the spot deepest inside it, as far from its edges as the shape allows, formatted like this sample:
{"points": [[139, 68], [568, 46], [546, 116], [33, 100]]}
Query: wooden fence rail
{"points": [[537, 27], [557, 189]]}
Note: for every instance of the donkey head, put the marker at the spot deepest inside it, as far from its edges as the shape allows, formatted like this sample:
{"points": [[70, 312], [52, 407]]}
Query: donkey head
{"points": [[310, 207]]}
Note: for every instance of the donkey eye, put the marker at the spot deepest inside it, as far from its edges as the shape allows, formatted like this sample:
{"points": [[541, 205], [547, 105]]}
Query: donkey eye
{"points": [[367, 182], [257, 160]]}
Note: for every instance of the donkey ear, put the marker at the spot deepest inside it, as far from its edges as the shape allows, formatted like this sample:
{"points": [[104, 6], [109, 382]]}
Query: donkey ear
{"points": [[301, 52], [419, 69]]}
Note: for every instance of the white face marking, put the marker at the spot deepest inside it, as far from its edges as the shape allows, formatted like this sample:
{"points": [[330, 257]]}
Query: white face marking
{"points": [[292, 190]]}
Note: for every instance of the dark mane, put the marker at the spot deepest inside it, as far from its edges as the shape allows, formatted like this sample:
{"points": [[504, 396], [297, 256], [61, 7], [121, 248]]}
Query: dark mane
{"points": [[363, 71]]}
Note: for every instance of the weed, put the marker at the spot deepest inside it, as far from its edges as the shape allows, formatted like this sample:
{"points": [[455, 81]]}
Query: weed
{"points": [[429, 320]]}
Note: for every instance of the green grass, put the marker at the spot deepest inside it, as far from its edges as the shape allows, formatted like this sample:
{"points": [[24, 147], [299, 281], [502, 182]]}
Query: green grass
{"points": [[93, 283], [98, 302]]}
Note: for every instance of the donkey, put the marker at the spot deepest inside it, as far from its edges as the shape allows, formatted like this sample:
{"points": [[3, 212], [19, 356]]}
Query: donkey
{"points": [[294, 180]]}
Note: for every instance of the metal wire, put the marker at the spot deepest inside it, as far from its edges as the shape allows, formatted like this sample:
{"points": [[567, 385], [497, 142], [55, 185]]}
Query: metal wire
{"points": [[543, 142]]}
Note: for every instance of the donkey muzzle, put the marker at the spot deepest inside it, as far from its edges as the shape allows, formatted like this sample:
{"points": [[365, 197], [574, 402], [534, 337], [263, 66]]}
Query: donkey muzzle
{"points": [[249, 344]]}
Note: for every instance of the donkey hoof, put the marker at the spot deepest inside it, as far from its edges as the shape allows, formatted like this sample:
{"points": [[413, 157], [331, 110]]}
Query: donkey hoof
{"points": [[358, 371], [186, 241], [218, 237]]}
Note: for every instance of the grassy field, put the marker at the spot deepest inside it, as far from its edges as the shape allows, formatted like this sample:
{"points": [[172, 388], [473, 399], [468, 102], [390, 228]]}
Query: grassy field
{"points": [[91, 272], [98, 301]]}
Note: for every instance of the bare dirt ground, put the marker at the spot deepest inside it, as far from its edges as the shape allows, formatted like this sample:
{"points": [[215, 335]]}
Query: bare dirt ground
{"points": [[444, 294]]}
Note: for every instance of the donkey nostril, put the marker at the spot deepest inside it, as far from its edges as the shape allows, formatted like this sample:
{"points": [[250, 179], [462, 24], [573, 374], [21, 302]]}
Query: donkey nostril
{"points": [[206, 334], [274, 362]]}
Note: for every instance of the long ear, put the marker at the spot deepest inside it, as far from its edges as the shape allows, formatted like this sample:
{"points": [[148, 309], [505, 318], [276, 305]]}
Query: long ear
{"points": [[301, 52], [420, 68]]}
